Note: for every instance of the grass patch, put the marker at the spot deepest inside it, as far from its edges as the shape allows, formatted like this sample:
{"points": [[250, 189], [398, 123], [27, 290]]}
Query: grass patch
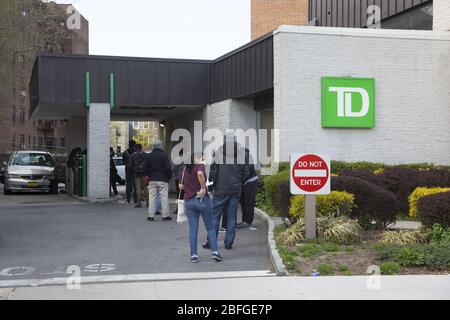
{"points": [[349, 249], [309, 250], [343, 269], [390, 268], [347, 273], [325, 269], [331, 247]]}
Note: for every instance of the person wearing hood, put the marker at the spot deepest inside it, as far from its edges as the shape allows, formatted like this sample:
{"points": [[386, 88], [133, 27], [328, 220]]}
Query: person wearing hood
{"points": [[227, 175], [129, 175], [159, 170]]}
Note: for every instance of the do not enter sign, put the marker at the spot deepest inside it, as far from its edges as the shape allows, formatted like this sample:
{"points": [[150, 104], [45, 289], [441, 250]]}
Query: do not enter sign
{"points": [[310, 174]]}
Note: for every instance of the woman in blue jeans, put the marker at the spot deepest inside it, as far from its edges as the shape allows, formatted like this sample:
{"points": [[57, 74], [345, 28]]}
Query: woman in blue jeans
{"points": [[198, 203]]}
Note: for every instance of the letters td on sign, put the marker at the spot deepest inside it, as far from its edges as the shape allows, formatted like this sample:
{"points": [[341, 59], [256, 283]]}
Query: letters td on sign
{"points": [[310, 175]]}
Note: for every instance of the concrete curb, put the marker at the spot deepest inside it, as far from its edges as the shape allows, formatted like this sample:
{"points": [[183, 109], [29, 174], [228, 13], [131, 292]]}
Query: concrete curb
{"points": [[277, 262]]}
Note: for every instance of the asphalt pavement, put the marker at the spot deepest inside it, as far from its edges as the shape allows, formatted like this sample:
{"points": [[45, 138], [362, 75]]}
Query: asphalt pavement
{"points": [[42, 235]]}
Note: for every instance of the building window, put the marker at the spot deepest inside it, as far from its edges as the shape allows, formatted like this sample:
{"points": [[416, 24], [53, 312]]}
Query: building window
{"points": [[22, 115], [14, 114], [14, 142], [22, 141], [29, 141], [63, 142], [40, 142], [34, 142], [50, 143]]}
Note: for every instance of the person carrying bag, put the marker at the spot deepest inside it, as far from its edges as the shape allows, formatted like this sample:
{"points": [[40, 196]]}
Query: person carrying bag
{"points": [[198, 203]]}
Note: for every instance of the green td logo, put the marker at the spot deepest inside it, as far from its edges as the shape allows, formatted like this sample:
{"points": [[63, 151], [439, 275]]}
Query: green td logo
{"points": [[348, 102]]}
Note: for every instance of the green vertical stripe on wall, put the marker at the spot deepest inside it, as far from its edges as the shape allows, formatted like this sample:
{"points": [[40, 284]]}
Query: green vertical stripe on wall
{"points": [[88, 89], [111, 90]]}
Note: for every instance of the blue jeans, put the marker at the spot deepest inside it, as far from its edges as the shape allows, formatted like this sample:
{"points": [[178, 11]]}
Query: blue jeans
{"points": [[230, 204], [195, 208]]}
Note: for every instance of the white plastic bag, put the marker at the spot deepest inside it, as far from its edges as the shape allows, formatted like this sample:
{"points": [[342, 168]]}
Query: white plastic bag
{"points": [[181, 214]]}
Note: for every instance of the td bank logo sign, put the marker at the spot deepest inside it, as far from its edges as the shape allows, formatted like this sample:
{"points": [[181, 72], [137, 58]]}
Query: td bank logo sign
{"points": [[348, 102]]}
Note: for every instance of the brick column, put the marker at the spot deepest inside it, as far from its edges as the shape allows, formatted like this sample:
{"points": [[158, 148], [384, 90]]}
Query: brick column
{"points": [[98, 144]]}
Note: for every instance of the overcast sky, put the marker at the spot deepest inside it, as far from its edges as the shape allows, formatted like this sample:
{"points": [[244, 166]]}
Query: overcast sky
{"points": [[199, 29]]}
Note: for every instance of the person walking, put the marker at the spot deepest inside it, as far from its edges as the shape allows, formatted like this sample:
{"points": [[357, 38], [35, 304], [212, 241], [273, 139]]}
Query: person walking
{"points": [[177, 169], [129, 176], [228, 177], [159, 170], [198, 203], [112, 173], [248, 195], [138, 164]]}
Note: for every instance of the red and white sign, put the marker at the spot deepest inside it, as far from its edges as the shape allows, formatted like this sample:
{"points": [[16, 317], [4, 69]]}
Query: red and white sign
{"points": [[310, 174]]}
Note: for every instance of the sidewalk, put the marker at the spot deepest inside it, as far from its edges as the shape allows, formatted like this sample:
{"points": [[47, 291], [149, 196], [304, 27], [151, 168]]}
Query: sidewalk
{"points": [[258, 288]]}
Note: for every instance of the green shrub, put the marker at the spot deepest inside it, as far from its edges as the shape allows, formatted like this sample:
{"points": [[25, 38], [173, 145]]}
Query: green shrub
{"points": [[283, 198], [390, 268], [309, 250], [260, 200], [419, 193], [341, 229], [435, 209], [438, 234], [433, 255], [402, 237], [371, 200], [437, 256], [333, 229], [335, 203], [339, 166], [271, 187], [325, 269], [292, 235], [409, 257]]}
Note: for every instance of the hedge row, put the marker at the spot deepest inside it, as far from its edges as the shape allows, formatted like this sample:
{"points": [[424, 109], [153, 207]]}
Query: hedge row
{"points": [[381, 191], [434, 209], [337, 167]]}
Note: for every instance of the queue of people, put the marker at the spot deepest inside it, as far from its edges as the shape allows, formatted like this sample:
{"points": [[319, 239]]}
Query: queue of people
{"points": [[230, 183]]}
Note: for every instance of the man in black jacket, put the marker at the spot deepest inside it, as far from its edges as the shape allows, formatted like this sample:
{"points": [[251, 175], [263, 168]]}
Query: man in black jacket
{"points": [[158, 168], [227, 176], [129, 176], [138, 163], [248, 196]]}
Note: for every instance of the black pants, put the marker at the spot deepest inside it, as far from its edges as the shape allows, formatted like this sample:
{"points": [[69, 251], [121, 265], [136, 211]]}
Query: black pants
{"points": [[248, 199], [130, 187], [113, 183]]}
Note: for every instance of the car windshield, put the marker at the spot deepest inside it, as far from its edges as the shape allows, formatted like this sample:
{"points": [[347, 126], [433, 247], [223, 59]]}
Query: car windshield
{"points": [[118, 161], [33, 159]]}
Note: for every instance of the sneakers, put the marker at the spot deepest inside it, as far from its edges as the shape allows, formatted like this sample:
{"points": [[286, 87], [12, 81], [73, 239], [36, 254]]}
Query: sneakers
{"points": [[150, 219], [222, 230], [245, 225], [167, 218], [157, 213], [216, 256], [228, 246], [194, 259], [138, 205]]}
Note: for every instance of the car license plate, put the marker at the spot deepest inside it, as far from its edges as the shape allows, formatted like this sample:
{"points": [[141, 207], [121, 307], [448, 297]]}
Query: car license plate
{"points": [[32, 184]]}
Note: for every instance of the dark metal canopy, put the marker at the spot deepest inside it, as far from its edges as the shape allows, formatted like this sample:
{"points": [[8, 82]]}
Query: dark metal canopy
{"points": [[353, 13], [58, 82]]}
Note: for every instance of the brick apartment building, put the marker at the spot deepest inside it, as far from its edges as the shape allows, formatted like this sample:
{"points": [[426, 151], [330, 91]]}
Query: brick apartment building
{"points": [[28, 27], [267, 15]]}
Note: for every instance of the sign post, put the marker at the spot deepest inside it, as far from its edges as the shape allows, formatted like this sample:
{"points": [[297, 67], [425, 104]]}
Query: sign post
{"points": [[310, 175]]}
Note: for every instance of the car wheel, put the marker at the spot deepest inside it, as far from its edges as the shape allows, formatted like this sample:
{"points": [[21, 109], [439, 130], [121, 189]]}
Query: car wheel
{"points": [[6, 192]]}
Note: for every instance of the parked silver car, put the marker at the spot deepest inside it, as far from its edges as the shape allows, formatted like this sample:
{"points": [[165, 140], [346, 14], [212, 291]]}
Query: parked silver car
{"points": [[30, 171]]}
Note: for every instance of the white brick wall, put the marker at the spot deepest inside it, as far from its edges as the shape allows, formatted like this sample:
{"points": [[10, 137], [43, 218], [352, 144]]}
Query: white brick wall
{"points": [[441, 15], [230, 114], [98, 144], [412, 73]]}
